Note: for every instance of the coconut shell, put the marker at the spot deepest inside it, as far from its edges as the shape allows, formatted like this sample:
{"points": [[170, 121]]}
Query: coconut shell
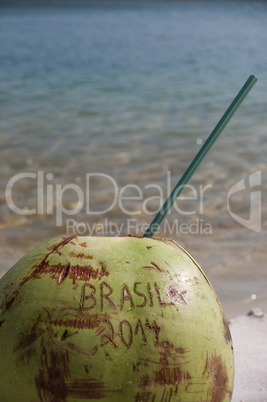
{"points": [[114, 319]]}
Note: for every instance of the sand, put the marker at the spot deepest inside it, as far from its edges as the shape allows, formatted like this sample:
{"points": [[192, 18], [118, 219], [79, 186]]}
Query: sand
{"points": [[249, 333]]}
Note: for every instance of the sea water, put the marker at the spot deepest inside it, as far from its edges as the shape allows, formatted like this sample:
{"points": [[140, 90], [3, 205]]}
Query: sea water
{"points": [[103, 106]]}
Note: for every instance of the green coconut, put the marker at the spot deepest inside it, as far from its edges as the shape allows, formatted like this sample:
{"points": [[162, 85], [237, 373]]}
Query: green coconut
{"points": [[114, 319]]}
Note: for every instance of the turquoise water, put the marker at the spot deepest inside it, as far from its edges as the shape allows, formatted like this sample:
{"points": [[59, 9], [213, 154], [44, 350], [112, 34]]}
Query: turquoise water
{"points": [[130, 89]]}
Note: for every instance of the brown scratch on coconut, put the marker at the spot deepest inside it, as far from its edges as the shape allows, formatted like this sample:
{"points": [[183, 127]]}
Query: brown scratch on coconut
{"points": [[227, 333], [44, 265], [215, 369], [63, 274]]}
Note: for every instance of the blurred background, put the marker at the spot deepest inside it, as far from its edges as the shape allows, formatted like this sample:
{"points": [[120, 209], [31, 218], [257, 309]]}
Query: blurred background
{"points": [[126, 92]]}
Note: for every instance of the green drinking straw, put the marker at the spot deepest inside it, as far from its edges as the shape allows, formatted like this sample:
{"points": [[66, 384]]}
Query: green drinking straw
{"points": [[154, 226]]}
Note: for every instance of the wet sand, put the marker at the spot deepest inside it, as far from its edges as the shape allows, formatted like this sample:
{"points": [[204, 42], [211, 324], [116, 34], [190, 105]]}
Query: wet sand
{"points": [[249, 333]]}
